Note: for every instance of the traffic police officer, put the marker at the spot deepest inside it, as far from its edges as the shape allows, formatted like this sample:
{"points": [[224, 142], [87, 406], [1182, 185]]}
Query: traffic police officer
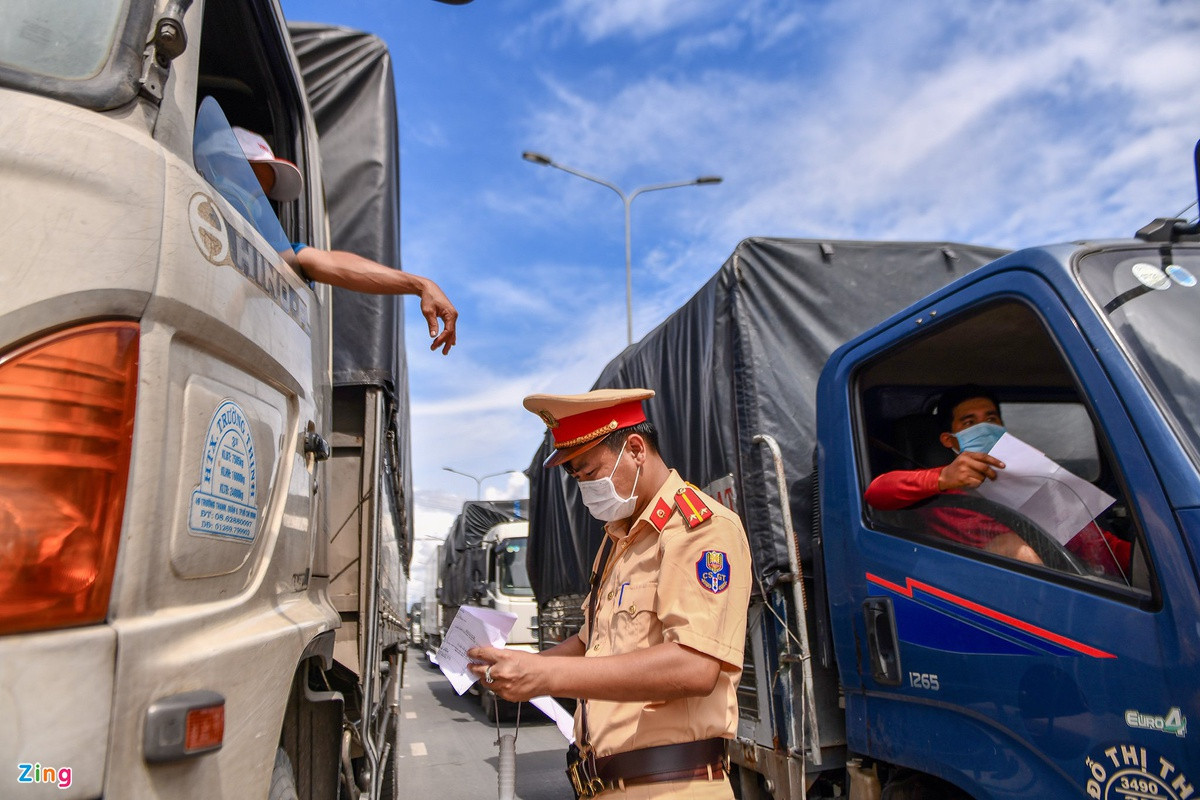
{"points": [[657, 662]]}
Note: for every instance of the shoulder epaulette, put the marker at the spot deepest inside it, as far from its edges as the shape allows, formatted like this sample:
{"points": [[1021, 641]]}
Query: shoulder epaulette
{"points": [[694, 511]]}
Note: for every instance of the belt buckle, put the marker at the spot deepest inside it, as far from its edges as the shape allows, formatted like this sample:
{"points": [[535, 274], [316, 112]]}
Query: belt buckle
{"points": [[584, 780]]}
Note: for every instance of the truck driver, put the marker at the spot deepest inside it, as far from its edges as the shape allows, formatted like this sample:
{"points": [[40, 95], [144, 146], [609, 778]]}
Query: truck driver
{"points": [[969, 418]]}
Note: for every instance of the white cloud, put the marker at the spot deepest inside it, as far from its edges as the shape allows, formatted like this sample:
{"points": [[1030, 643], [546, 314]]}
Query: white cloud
{"points": [[516, 487], [902, 133], [1006, 123], [640, 19]]}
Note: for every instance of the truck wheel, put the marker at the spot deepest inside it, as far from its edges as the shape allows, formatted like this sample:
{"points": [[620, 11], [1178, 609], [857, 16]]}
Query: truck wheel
{"points": [[389, 772], [283, 781]]}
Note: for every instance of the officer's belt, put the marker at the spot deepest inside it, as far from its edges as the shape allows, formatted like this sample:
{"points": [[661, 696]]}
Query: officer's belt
{"points": [[668, 762]]}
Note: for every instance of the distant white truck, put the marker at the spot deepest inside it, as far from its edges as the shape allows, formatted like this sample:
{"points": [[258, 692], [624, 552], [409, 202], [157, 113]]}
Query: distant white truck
{"points": [[482, 563], [506, 588]]}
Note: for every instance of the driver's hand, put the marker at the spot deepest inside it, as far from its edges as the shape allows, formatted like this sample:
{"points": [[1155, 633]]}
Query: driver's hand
{"points": [[968, 471]]}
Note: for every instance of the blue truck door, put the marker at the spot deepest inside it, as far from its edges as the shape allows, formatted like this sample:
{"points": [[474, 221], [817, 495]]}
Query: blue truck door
{"points": [[1008, 679]]}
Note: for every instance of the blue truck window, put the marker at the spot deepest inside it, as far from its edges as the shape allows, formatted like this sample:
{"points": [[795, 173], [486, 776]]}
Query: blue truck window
{"points": [[1151, 300], [1067, 514]]}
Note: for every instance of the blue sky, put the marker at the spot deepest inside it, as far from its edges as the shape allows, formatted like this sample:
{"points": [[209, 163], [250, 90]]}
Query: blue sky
{"points": [[997, 122]]}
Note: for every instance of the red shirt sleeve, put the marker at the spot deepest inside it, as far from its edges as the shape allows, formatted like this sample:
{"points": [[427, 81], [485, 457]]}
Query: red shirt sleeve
{"points": [[901, 488]]}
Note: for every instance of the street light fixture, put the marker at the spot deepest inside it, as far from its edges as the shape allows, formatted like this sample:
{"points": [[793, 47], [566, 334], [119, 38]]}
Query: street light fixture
{"points": [[481, 478], [627, 199]]}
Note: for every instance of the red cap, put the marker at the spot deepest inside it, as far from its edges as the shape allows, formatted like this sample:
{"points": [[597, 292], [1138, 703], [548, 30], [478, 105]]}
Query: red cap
{"points": [[578, 422]]}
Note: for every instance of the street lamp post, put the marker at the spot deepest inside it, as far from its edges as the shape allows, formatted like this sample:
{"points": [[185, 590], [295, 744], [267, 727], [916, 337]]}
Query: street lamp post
{"points": [[627, 199], [481, 478]]}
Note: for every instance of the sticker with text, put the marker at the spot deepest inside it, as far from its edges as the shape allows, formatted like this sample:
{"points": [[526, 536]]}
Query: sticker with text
{"points": [[1172, 722], [1132, 772]]}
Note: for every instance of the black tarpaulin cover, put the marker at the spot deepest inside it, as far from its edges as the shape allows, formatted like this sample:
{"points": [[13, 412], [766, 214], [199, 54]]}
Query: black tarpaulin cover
{"points": [[463, 562], [348, 81], [742, 358]]}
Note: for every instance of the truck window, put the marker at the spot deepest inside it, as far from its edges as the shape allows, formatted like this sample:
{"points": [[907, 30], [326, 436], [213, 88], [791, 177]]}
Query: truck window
{"points": [[62, 39], [511, 575], [86, 53], [244, 68], [1068, 515], [219, 158], [1151, 300]]}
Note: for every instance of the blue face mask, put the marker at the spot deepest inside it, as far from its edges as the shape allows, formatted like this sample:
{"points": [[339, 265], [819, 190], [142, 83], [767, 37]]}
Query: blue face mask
{"points": [[979, 438]]}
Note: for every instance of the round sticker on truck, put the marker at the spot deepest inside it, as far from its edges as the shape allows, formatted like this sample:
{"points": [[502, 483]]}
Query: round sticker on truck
{"points": [[224, 504], [1132, 772]]}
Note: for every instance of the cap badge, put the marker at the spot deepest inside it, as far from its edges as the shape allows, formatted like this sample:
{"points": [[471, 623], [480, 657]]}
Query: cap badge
{"points": [[548, 418]]}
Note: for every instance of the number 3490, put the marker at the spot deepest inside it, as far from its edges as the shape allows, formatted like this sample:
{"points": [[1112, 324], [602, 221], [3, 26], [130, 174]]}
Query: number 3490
{"points": [[924, 680]]}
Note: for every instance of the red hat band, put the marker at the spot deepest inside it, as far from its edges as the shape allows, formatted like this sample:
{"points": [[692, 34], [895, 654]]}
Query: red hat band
{"points": [[587, 425]]}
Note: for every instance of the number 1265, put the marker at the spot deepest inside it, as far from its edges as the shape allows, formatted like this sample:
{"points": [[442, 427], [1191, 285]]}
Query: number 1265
{"points": [[924, 680]]}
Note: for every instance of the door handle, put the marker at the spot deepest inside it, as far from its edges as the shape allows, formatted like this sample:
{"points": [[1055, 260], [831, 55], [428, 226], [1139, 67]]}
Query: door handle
{"points": [[316, 445], [882, 645]]}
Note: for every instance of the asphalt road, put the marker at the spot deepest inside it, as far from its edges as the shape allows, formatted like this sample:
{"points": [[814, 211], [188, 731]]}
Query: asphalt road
{"points": [[447, 748]]}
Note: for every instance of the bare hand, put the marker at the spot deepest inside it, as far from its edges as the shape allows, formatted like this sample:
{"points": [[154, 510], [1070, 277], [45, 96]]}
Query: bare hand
{"points": [[968, 471], [516, 675], [434, 306]]}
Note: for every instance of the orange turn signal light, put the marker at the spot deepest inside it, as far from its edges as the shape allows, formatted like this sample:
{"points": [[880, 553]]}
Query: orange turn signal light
{"points": [[182, 726], [66, 433], [205, 728]]}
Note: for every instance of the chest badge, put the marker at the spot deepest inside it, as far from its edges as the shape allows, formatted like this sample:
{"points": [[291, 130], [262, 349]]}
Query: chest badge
{"points": [[712, 571]]}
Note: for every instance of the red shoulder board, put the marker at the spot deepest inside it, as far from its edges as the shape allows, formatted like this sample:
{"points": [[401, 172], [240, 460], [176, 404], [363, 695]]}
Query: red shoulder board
{"points": [[661, 513], [691, 506]]}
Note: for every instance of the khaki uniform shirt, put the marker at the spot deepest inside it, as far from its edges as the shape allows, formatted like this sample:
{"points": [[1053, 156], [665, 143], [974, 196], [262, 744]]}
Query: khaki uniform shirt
{"points": [[683, 584]]}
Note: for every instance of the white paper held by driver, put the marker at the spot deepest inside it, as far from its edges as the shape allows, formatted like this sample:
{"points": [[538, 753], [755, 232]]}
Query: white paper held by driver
{"points": [[1055, 499]]}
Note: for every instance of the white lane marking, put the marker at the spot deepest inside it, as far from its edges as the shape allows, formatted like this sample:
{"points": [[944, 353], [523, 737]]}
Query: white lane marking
{"points": [[406, 697], [410, 715], [418, 749]]}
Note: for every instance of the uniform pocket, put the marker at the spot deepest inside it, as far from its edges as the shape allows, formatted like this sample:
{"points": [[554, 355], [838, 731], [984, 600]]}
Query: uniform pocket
{"points": [[635, 622]]}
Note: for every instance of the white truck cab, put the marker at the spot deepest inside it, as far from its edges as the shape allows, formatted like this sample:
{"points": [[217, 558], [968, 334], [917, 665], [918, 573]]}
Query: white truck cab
{"points": [[508, 588], [193, 601]]}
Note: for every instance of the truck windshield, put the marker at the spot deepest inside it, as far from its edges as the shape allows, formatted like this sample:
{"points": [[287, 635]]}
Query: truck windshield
{"points": [[1152, 302], [511, 574], [63, 39]]}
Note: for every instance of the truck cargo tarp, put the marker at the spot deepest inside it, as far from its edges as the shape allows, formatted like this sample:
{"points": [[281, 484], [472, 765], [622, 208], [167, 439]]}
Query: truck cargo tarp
{"points": [[742, 358], [348, 81], [463, 561]]}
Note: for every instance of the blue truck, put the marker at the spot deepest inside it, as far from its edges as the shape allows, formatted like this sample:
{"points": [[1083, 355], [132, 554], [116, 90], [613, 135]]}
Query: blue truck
{"points": [[882, 658]]}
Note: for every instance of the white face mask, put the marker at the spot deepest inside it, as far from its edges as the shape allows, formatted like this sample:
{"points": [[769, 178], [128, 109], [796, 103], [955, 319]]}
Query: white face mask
{"points": [[601, 498]]}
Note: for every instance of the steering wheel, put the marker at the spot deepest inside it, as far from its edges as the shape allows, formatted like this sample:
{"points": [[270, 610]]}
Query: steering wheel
{"points": [[1053, 554]]}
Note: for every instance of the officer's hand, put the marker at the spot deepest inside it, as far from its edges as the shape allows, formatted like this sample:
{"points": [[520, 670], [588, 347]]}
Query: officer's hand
{"points": [[516, 675], [968, 471]]}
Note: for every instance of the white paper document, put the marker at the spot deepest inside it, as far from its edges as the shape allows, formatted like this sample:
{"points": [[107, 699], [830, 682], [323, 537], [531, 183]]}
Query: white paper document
{"points": [[472, 627], [1058, 501], [559, 715]]}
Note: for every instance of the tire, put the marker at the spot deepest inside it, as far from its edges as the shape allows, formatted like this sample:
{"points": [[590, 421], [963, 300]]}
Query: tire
{"points": [[388, 777], [283, 780]]}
